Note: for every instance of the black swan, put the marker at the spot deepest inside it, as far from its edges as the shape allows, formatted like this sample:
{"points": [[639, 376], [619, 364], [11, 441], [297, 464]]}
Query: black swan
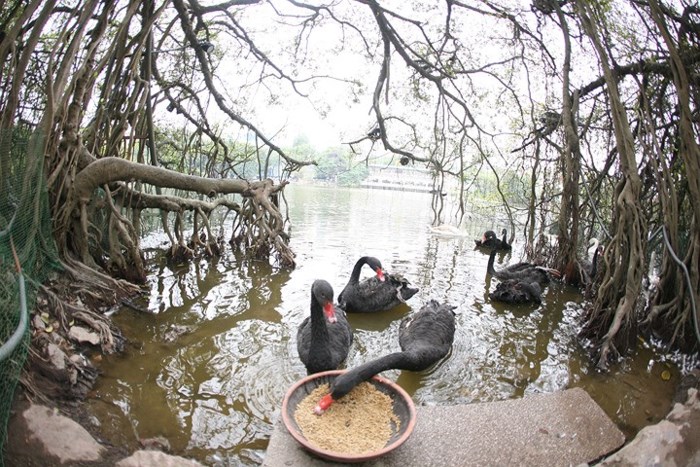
{"points": [[517, 292], [489, 240], [425, 337], [324, 338], [378, 293], [522, 271]]}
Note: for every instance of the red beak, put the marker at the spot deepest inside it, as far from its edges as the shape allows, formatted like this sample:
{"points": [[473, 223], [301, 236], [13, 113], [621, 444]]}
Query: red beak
{"points": [[380, 274], [323, 404], [329, 311]]}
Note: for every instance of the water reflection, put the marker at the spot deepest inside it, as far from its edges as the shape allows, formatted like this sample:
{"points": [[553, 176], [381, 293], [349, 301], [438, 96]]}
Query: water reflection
{"points": [[208, 366]]}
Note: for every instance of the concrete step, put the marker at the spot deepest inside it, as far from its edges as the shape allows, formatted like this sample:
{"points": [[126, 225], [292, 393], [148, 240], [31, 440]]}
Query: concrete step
{"points": [[558, 429]]}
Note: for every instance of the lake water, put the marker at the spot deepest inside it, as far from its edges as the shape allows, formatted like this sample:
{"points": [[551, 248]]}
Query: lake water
{"points": [[208, 366]]}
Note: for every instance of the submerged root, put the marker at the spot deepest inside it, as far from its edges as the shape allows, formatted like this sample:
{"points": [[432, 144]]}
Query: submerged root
{"points": [[180, 254]]}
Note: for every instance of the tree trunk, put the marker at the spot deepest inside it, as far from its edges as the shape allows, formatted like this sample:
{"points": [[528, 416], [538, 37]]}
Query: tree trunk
{"points": [[674, 311], [612, 320], [568, 221]]}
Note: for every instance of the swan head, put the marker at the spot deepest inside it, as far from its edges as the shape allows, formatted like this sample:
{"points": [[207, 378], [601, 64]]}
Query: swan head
{"points": [[329, 311], [323, 404], [376, 266], [488, 235], [380, 274], [322, 293], [593, 244]]}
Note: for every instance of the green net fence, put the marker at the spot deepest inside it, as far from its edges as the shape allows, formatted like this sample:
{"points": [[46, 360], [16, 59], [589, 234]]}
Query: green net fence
{"points": [[25, 226]]}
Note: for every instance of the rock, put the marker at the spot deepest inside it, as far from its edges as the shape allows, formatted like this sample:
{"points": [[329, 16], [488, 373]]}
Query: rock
{"points": [[689, 380], [152, 458], [78, 359], [38, 323], [158, 443], [554, 429], [59, 436], [56, 356], [673, 441], [81, 335]]}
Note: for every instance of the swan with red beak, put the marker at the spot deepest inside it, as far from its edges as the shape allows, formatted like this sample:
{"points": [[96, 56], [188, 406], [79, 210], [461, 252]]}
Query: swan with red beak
{"points": [[324, 337], [425, 338], [377, 293]]}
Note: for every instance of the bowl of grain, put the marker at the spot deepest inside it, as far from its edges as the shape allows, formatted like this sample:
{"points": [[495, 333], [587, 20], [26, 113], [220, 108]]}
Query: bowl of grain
{"points": [[376, 417]]}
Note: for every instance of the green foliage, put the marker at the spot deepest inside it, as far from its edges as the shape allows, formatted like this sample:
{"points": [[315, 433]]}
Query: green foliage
{"points": [[302, 149], [193, 153], [337, 166], [483, 187], [353, 177], [330, 165]]}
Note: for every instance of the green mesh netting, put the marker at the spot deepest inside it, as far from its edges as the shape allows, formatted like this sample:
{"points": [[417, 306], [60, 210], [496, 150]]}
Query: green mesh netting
{"points": [[25, 222]]}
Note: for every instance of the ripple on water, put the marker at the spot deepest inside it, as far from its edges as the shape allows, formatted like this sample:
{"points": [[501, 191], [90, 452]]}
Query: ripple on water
{"points": [[215, 390]]}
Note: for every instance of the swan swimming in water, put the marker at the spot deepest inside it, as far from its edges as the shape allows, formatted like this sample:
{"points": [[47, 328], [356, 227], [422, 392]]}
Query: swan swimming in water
{"points": [[379, 293], [425, 337], [324, 337], [447, 230], [525, 272], [489, 240], [516, 291]]}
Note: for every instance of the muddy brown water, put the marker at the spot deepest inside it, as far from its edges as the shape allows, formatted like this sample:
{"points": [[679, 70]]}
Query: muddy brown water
{"points": [[208, 366]]}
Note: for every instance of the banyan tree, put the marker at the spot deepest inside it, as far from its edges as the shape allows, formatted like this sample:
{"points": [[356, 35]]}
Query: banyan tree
{"points": [[627, 143], [596, 102], [81, 83], [86, 79]]}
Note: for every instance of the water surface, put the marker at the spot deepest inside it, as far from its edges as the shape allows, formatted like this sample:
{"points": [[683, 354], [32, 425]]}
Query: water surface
{"points": [[208, 366]]}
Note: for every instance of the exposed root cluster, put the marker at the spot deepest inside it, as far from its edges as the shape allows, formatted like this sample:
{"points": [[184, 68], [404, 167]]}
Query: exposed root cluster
{"points": [[66, 330], [259, 226]]}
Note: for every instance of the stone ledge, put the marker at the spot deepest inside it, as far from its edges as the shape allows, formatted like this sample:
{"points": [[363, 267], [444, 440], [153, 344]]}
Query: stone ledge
{"points": [[562, 428]]}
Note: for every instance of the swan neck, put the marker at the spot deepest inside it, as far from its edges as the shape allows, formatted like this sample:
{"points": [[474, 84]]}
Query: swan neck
{"points": [[595, 263], [344, 383], [319, 331], [355, 276], [489, 266]]}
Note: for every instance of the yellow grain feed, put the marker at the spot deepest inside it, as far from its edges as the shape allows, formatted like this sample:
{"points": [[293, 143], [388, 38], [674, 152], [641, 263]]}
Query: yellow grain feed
{"points": [[360, 422]]}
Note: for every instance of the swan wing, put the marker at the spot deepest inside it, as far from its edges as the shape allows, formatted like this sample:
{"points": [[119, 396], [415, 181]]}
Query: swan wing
{"points": [[373, 295]]}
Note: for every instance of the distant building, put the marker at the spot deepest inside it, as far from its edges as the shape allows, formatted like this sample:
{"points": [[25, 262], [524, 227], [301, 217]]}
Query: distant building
{"points": [[398, 178]]}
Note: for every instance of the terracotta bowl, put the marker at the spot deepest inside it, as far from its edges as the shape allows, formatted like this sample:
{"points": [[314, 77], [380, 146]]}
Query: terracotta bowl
{"points": [[403, 407]]}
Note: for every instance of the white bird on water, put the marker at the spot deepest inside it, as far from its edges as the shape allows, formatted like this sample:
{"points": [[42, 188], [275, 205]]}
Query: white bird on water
{"points": [[448, 230]]}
